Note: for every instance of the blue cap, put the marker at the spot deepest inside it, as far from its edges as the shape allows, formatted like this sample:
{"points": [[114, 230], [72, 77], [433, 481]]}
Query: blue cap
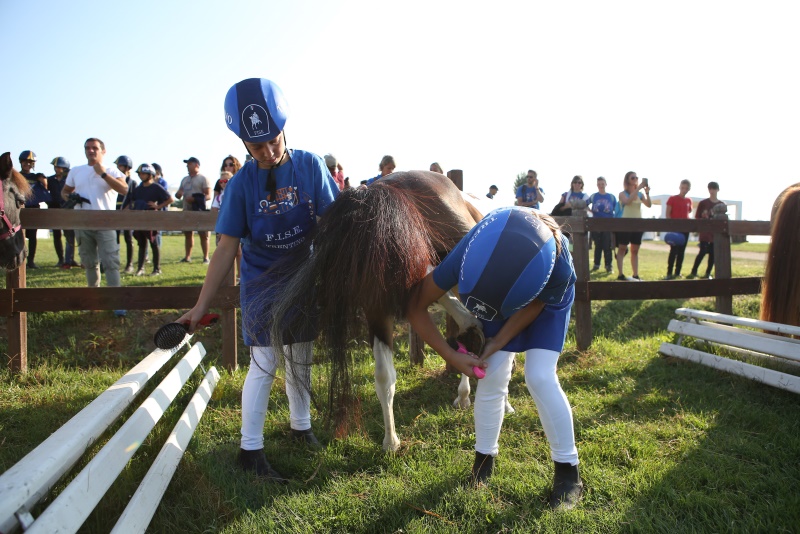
{"points": [[508, 260], [60, 161], [146, 168], [256, 110], [124, 160], [27, 155]]}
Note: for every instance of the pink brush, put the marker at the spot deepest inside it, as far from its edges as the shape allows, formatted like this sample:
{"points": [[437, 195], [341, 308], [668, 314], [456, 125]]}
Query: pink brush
{"points": [[480, 373]]}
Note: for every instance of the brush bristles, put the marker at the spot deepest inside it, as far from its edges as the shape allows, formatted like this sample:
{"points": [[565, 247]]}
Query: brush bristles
{"points": [[170, 336]]}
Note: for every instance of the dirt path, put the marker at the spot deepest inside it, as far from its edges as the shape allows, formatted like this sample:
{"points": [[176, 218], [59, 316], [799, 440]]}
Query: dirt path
{"points": [[741, 254]]}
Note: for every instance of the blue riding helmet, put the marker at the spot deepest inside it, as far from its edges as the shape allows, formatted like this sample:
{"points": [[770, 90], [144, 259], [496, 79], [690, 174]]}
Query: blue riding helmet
{"points": [[60, 161], [124, 160], [256, 110], [27, 155], [146, 168], [507, 262]]}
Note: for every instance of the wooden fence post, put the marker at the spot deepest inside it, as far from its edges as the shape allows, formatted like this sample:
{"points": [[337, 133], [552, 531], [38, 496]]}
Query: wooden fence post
{"points": [[229, 331], [17, 325], [580, 258], [722, 259]]}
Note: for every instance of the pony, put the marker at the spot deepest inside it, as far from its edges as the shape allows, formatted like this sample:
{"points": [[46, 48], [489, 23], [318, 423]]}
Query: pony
{"points": [[368, 250], [15, 190], [780, 289]]}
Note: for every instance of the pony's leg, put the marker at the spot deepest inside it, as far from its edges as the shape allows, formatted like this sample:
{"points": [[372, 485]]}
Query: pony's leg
{"points": [[385, 379]]}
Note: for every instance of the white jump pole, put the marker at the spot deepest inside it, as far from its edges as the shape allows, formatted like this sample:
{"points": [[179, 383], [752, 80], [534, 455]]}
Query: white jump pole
{"points": [[779, 328], [753, 372], [29, 480], [73, 505], [143, 504]]}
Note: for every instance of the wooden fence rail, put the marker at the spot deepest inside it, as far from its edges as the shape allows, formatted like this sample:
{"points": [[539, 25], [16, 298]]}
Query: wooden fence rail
{"points": [[17, 300]]}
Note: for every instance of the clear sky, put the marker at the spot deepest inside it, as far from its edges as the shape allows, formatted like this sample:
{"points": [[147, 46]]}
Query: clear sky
{"points": [[702, 90]]}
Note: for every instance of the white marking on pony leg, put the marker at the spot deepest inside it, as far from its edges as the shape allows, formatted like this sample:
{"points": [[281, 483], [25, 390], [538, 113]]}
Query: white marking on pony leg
{"points": [[385, 379], [462, 401], [463, 318], [509, 408]]}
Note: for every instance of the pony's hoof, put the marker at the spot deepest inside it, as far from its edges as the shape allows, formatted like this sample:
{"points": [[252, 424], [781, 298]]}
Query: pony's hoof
{"points": [[509, 409], [391, 443], [462, 404]]}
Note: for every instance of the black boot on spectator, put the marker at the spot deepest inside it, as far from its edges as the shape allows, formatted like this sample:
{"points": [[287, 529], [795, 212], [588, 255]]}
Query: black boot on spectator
{"points": [[567, 487], [256, 461]]}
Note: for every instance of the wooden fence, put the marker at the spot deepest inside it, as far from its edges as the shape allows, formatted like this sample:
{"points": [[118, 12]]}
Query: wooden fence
{"points": [[17, 300]]}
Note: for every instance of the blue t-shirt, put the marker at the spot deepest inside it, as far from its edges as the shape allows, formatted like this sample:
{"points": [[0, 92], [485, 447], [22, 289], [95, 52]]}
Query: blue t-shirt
{"points": [[374, 179], [147, 193], [549, 329], [304, 178], [603, 205], [528, 194]]}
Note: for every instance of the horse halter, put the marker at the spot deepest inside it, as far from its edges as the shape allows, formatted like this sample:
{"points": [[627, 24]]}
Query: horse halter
{"points": [[8, 234]]}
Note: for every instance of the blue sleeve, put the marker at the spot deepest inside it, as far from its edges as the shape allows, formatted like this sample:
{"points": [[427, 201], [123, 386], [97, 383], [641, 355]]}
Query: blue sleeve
{"points": [[232, 218], [325, 188], [561, 279], [445, 275]]}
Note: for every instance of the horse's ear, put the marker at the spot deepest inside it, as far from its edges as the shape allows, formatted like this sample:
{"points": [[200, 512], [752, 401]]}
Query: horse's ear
{"points": [[5, 165]]}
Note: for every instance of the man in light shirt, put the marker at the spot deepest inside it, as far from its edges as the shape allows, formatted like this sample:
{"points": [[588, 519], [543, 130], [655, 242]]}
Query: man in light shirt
{"points": [[99, 185]]}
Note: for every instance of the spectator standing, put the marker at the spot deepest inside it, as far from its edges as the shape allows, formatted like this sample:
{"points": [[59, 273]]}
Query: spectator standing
{"points": [[163, 183], [631, 200], [492, 191], [39, 193], [148, 196], [705, 210], [54, 184], [230, 164], [575, 193], [603, 206], [678, 207], [530, 194], [99, 185], [195, 191], [386, 166], [335, 168], [125, 165]]}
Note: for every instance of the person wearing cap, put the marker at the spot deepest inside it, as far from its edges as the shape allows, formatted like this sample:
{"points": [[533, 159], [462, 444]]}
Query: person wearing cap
{"points": [[492, 191], [125, 166], [195, 190], [513, 270], [148, 196], [39, 193], [55, 183], [705, 210], [335, 168], [270, 207], [100, 185]]}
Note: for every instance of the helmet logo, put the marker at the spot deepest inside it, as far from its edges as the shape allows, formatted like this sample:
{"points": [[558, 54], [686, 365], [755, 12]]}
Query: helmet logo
{"points": [[228, 118], [480, 309], [254, 125]]}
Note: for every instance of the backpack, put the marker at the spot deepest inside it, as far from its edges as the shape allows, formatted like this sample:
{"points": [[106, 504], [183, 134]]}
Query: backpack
{"points": [[618, 207]]}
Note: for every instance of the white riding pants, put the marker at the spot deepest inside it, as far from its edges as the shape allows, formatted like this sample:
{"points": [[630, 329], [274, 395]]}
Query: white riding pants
{"points": [[551, 402], [257, 386]]}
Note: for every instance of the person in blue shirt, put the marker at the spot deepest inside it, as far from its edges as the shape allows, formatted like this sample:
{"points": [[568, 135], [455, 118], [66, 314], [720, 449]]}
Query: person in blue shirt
{"points": [[386, 167], [530, 194], [148, 195], [603, 207], [270, 208], [514, 272]]}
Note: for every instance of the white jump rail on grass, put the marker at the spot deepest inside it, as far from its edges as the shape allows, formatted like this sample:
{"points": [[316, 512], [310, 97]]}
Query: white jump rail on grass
{"points": [[29, 480], [723, 331], [74, 504]]}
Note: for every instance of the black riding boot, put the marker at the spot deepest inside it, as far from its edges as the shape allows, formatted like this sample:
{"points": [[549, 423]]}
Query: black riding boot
{"points": [[257, 461], [481, 469], [567, 486]]}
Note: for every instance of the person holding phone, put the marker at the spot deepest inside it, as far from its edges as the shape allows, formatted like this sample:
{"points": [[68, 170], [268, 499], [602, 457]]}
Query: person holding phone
{"points": [[631, 199]]}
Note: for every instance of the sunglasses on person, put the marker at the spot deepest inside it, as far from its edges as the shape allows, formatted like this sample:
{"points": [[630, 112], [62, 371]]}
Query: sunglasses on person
{"points": [[229, 164], [224, 181]]}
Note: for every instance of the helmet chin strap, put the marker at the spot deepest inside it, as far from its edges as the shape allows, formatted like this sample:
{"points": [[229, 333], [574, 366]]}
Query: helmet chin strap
{"points": [[272, 184]]}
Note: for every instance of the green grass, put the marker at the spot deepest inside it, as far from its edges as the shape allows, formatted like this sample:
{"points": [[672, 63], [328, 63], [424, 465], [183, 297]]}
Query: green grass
{"points": [[665, 445]]}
